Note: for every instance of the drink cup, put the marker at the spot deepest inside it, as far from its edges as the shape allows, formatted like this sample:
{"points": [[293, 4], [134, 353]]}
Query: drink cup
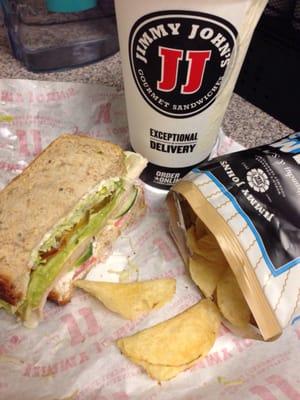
{"points": [[180, 62]]}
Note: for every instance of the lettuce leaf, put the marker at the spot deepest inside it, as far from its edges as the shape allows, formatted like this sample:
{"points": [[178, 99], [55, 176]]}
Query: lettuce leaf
{"points": [[43, 276]]}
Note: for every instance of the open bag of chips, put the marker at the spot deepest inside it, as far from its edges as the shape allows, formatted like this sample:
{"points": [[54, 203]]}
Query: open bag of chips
{"points": [[236, 223]]}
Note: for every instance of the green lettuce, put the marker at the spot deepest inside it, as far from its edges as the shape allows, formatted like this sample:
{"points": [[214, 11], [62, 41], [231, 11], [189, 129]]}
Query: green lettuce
{"points": [[45, 274], [7, 307], [87, 202]]}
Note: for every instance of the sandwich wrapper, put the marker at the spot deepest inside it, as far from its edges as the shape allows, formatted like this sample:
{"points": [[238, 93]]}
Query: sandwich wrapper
{"points": [[72, 355]]}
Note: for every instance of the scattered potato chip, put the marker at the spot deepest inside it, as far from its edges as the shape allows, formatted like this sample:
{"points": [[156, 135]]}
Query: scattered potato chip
{"points": [[174, 345], [231, 301], [230, 382], [206, 274], [131, 300], [161, 372]]}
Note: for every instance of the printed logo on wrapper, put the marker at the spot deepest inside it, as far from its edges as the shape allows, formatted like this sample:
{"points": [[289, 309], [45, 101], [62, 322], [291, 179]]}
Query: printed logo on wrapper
{"points": [[189, 55], [258, 180]]}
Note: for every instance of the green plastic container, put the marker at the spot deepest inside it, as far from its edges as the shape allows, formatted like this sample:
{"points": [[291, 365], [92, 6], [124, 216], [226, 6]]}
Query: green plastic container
{"points": [[65, 6]]}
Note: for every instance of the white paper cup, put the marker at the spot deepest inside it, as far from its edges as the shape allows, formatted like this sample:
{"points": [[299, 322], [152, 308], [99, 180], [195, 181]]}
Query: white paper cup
{"points": [[180, 62]]}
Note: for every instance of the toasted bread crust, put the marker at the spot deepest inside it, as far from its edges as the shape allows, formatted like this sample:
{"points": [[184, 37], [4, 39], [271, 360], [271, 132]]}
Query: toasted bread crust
{"points": [[8, 292], [46, 191]]}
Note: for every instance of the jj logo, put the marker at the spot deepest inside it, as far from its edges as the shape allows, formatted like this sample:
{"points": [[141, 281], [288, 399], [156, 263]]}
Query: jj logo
{"points": [[178, 59], [170, 65]]}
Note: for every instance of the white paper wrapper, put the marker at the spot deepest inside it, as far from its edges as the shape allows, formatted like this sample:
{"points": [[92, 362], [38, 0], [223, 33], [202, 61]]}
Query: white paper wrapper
{"points": [[72, 354]]}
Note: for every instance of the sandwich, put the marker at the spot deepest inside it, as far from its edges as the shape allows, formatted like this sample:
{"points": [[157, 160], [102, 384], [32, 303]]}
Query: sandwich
{"points": [[60, 217]]}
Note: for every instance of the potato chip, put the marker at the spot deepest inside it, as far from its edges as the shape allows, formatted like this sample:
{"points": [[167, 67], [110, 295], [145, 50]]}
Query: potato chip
{"points": [[161, 372], [248, 331], [206, 274], [191, 239], [188, 214], [178, 341], [231, 301], [207, 246], [200, 228], [131, 300]]}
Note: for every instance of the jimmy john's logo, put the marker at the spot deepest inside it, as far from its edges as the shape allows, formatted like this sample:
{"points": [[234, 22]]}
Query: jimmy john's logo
{"points": [[179, 59]]}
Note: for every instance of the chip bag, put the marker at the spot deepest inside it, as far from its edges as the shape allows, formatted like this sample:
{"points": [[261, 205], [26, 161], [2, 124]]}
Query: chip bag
{"points": [[249, 204]]}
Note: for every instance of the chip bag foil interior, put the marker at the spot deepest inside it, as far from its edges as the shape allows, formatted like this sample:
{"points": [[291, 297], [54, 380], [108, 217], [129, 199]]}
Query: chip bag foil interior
{"points": [[249, 202]]}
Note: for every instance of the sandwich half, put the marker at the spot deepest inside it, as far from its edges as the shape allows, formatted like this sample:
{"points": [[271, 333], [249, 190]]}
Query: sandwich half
{"points": [[61, 216]]}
